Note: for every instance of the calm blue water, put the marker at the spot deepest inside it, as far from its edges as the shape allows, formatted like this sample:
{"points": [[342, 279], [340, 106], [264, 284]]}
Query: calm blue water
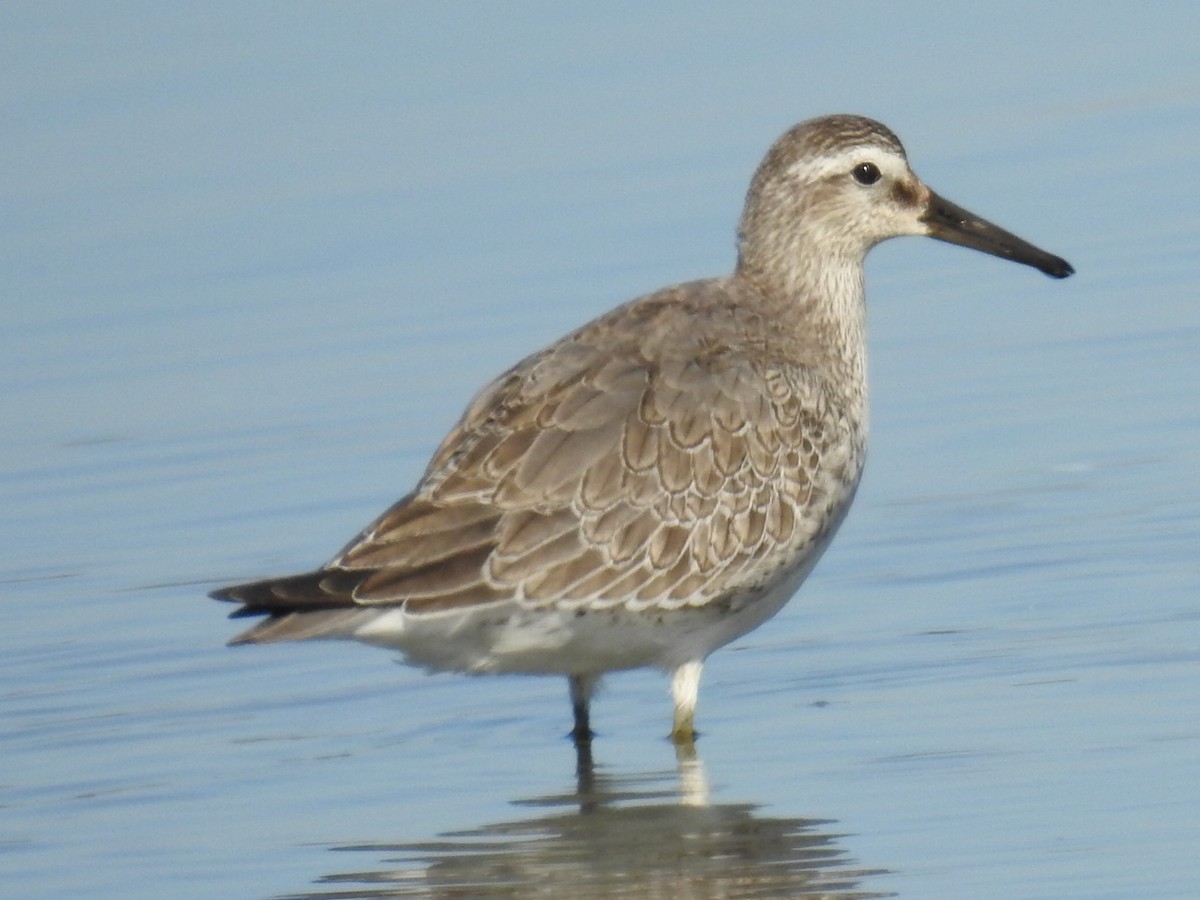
{"points": [[254, 261]]}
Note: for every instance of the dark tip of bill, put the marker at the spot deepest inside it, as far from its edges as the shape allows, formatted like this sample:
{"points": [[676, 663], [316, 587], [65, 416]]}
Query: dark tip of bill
{"points": [[1057, 267]]}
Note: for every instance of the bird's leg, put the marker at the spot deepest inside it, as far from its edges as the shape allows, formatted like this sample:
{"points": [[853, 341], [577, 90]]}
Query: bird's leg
{"points": [[685, 685], [582, 688]]}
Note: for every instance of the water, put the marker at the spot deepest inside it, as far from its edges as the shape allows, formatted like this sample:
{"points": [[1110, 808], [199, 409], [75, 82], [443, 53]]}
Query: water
{"points": [[254, 263]]}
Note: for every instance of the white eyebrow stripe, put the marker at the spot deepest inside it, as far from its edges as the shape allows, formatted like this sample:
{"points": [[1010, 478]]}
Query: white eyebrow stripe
{"points": [[842, 162]]}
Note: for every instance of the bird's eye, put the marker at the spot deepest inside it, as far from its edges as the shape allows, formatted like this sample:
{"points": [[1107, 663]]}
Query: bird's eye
{"points": [[866, 173]]}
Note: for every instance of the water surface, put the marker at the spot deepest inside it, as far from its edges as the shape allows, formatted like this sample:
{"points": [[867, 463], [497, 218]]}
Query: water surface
{"points": [[255, 261]]}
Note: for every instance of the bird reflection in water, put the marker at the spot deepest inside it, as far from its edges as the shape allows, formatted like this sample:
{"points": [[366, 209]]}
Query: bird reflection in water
{"points": [[647, 834]]}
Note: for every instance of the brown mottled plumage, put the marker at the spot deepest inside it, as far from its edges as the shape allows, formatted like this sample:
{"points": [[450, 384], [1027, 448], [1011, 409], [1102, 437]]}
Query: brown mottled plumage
{"points": [[660, 481]]}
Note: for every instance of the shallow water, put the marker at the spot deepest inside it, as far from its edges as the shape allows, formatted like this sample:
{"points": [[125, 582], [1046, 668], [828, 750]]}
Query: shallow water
{"points": [[255, 262]]}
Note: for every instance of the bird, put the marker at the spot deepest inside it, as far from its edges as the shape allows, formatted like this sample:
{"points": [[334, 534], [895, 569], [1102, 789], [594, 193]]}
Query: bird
{"points": [[658, 482]]}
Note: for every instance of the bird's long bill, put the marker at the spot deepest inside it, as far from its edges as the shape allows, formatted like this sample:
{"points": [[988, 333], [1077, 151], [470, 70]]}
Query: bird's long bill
{"points": [[953, 224]]}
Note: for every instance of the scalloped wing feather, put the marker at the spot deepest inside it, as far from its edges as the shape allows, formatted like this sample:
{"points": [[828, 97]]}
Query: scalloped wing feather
{"points": [[629, 463]]}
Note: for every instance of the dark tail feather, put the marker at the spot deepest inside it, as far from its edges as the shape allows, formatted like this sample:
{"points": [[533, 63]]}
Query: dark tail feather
{"points": [[298, 607], [322, 589]]}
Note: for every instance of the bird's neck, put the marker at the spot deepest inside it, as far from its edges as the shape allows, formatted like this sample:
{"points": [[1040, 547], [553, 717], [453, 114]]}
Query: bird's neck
{"points": [[819, 309]]}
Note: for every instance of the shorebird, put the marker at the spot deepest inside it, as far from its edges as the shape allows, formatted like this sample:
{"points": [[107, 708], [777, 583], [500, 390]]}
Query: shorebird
{"points": [[660, 481]]}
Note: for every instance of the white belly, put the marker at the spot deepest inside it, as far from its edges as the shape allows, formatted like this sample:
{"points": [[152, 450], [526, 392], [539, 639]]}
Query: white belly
{"points": [[574, 638]]}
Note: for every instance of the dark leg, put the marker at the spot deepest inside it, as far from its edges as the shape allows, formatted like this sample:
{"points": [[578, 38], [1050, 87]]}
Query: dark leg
{"points": [[582, 687]]}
